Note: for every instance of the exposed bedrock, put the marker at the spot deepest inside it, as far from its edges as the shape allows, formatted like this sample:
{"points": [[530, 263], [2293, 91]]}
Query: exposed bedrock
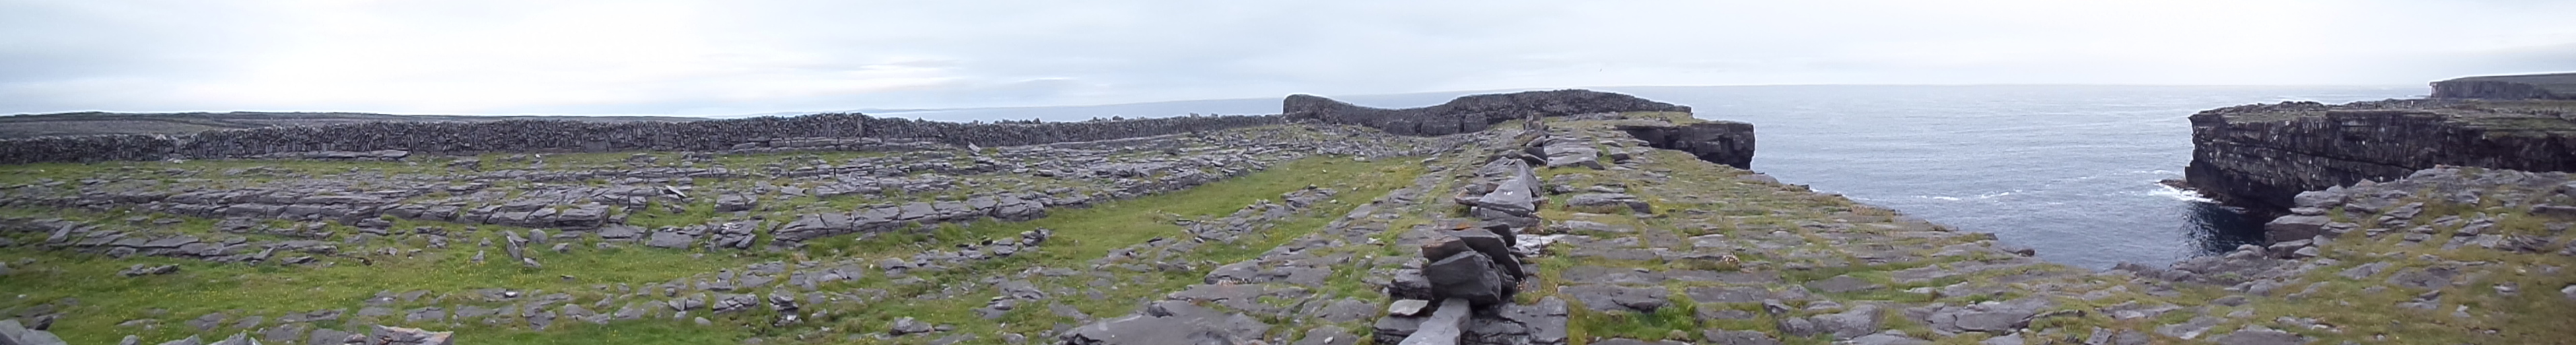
{"points": [[2529, 86], [1470, 113], [1722, 142], [2260, 156]]}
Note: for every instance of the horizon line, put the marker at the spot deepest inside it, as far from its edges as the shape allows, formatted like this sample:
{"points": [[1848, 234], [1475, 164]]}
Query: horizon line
{"points": [[875, 111]]}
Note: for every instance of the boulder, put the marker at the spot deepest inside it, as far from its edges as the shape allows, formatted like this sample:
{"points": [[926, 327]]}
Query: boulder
{"points": [[1469, 276], [734, 203], [1494, 247], [2295, 227], [1858, 321]]}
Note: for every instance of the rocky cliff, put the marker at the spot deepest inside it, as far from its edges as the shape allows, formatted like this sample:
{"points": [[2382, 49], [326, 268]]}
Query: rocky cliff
{"points": [[1722, 142], [2528, 86], [1470, 113], [2259, 156]]}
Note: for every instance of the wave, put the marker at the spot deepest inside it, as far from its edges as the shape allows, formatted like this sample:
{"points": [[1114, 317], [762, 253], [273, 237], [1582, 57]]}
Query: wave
{"points": [[2180, 194], [1974, 197]]}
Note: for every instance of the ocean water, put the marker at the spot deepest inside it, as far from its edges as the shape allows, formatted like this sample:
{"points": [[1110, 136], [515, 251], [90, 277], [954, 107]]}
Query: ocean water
{"points": [[2068, 170]]}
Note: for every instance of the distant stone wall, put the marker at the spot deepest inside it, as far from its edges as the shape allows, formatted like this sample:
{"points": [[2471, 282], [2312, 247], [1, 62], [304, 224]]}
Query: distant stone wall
{"points": [[1470, 113], [572, 136]]}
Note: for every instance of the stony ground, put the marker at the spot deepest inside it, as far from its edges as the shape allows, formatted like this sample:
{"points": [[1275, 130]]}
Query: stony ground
{"points": [[1279, 235]]}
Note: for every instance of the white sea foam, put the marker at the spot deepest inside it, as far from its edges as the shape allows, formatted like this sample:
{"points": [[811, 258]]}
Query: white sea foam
{"points": [[2179, 194]]}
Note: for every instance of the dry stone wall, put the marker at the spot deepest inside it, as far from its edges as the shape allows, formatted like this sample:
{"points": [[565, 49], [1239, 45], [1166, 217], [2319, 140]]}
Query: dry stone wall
{"points": [[396, 139]]}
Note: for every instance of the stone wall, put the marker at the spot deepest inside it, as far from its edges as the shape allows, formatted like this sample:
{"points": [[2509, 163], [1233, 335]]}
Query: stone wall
{"points": [[573, 136], [2260, 156], [1470, 113]]}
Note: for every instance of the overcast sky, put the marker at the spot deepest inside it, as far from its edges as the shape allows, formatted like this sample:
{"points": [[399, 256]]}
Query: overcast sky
{"points": [[737, 57]]}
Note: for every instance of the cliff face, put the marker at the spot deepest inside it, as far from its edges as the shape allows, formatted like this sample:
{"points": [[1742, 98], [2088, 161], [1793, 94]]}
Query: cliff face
{"points": [[2260, 156], [2530, 86], [1722, 142], [1470, 113]]}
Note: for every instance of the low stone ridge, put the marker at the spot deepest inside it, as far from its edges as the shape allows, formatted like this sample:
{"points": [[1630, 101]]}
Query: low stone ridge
{"points": [[765, 134], [1470, 113], [96, 123], [2259, 156], [2525, 86]]}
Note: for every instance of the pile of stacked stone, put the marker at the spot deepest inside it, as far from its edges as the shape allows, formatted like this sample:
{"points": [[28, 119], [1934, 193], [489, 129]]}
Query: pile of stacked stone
{"points": [[1471, 266]]}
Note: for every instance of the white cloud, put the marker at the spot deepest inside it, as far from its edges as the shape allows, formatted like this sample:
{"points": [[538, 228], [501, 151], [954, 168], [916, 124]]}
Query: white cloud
{"points": [[698, 58]]}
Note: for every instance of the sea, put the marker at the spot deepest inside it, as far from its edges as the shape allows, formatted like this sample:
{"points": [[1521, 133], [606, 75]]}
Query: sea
{"points": [[2069, 170]]}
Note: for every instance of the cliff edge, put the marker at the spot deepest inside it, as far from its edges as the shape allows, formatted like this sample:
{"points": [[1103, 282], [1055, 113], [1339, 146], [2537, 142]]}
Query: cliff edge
{"points": [[2260, 156]]}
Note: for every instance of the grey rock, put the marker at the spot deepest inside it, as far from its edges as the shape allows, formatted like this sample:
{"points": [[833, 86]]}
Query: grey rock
{"points": [[190, 340], [670, 239], [2007, 339], [408, 336], [1406, 307], [326, 336], [1610, 200], [2424, 278], [2189, 329], [1841, 284], [1734, 337], [1467, 275], [1888, 339], [1618, 298], [2257, 335], [146, 270], [1858, 321], [2295, 227], [907, 325], [1445, 325], [2364, 271], [236, 339], [1173, 322], [1327, 335]]}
